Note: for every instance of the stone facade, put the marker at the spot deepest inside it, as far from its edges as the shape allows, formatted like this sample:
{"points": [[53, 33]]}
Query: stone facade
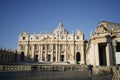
{"points": [[58, 46]]}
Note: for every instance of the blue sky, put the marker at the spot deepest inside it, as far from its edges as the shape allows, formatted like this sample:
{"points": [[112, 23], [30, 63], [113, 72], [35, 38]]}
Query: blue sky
{"points": [[44, 15]]}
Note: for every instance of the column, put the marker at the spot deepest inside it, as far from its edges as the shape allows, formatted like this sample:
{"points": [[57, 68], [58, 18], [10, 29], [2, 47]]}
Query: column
{"points": [[39, 56], [109, 55], [113, 55], [46, 52], [41, 53], [52, 53], [33, 52], [65, 52], [82, 55], [97, 54], [73, 55], [56, 52], [59, 53], [93, 50]]}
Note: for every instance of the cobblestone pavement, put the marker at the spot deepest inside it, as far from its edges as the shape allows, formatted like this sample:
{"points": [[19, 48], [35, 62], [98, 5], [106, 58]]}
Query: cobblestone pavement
{"points": [[68, 75]]}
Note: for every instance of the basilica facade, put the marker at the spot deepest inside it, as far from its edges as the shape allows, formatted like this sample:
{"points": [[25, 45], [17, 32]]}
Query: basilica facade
{"points": [[102, 49], [58, 46]]}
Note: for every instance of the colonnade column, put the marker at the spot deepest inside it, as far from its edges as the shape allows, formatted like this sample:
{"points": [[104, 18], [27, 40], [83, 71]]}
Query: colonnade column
{"points": [[109, 55]]}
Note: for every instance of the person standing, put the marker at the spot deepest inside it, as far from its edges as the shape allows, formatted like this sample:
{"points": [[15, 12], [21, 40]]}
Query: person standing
{"points": [[90, 69]]}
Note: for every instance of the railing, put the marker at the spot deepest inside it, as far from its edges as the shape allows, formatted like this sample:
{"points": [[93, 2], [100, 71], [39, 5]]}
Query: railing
{"points": [[15, 67], [61, 68], [43, 67]]}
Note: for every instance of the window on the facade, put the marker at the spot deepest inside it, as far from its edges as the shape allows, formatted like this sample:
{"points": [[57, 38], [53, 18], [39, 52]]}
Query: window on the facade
{"points": [[23, 38], [31, 38], [36, 51], [49, 57], [37, 37], [62, 58], [54, 46], [118, 47], [68, 37], [43, 47], [53, 58], [54, 37]]}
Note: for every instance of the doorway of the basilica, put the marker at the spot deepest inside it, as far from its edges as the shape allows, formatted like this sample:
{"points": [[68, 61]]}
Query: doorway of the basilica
{"points": [[22, 56], [36, 58], [49, 57], [78, 57], [102, 54]]}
